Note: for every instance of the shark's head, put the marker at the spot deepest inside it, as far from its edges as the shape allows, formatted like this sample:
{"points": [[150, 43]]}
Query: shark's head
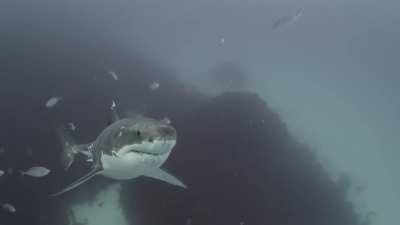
{"points": [[136, 143], [144, 136]]}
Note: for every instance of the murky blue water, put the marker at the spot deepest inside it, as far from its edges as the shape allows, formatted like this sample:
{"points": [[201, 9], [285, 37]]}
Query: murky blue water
{"points": [[316, 144]]}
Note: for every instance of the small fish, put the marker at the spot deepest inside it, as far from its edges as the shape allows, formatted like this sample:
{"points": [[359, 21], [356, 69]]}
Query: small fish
{"points": [[154, 86], [287, 20], [8, 207], [36, 171], [221, 41], [298, 14], [2, 173], [72, 126], [282, 21], [52, 101], [113, 105], [114, 75]]}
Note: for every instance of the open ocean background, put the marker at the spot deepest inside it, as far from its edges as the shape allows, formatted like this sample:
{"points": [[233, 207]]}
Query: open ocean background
{"points": [[297, 125]]}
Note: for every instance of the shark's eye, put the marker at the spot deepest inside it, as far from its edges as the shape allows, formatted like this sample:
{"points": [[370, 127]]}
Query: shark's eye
{"points": [[138, 133]]}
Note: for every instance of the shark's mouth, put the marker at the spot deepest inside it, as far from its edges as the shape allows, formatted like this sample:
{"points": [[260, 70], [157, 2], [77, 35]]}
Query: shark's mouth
{"points": [[140, 153], [147, 153], [156, 148]]}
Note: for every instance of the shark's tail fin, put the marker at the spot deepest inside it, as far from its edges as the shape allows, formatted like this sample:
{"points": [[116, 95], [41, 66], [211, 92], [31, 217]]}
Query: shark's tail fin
{"points": [[69, 148]]}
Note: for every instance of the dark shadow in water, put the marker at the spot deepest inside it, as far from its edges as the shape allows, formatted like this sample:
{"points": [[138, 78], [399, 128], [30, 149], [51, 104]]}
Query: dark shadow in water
{"points": [[241, 166]]}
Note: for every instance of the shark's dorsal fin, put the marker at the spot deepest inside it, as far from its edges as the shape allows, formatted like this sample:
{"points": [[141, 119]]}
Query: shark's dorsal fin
{"points": [[78, 182], [160, 174]]}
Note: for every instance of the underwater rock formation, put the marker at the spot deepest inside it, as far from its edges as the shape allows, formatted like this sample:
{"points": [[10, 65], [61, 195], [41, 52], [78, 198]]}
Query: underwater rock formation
{"points": [[241, 167], [228, 76]]}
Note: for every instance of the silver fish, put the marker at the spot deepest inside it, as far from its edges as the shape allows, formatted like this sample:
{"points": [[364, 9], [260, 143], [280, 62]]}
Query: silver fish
{"points": [[114, 75], [2, 173], [221, 41], [36, 171], [8, 207], [287, 20], [154, 86], [72, 126], [52, 101]]}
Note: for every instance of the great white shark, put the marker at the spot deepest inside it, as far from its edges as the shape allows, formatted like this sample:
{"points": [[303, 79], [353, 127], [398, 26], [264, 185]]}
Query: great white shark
{"points": [[128, 148]]}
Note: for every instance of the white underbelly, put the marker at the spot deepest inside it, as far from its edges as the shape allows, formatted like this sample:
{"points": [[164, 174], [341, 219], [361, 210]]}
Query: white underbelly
{"points": [[128, 167]]}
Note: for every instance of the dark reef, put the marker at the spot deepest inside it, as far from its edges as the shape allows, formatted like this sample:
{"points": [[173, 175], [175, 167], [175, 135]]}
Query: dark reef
{"points": [[241, 166], [228, 76]]}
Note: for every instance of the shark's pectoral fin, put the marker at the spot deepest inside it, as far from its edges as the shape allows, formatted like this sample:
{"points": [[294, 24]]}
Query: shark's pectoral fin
{"points": [[78, 182], [160, 174]]}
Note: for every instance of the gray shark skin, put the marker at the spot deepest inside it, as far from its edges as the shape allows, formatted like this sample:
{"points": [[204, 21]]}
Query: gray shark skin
{"points": [[126, 149]]}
